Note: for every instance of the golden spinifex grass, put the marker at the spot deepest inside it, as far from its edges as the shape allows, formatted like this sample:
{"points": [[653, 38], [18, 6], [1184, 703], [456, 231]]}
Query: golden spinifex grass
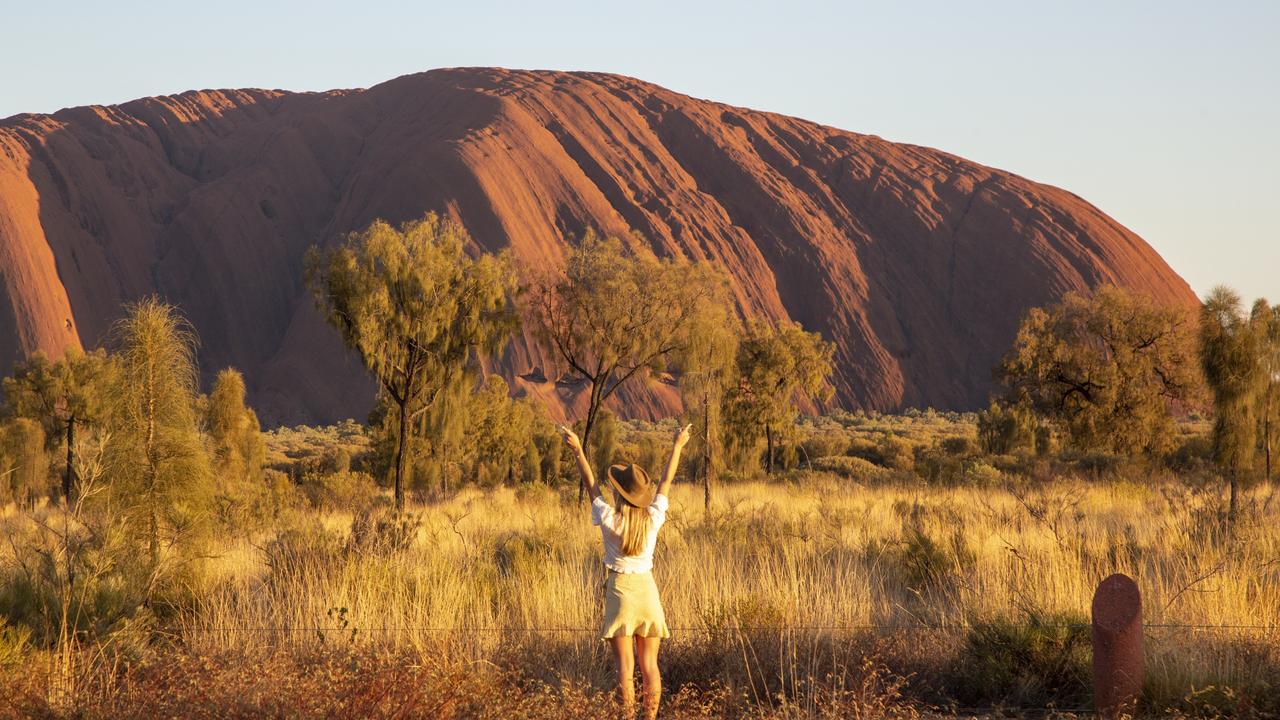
{"points": [[806, 562]]}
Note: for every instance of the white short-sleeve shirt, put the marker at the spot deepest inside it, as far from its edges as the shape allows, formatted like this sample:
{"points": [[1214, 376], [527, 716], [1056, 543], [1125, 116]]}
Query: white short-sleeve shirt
{"points": [[610, 522]]}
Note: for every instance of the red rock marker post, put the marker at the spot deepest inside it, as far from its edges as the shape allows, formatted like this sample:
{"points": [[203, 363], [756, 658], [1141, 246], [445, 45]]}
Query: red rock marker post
{"points": [[1117, 646]]}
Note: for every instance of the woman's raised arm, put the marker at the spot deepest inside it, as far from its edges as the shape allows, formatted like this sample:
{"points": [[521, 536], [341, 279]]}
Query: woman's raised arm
{"points": [[584, 467], [681, 439]]}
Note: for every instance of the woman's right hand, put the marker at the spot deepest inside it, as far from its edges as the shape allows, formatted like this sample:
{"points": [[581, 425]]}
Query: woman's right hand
{"points": [[570, 438], [682, 436]]}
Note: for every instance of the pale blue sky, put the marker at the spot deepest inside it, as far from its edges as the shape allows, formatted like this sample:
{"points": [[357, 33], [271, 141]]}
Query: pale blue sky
{"points": [[1164, 114]]}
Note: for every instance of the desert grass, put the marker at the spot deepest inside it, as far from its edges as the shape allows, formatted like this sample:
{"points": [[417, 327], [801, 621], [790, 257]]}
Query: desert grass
{"points": [[808, 596], [777, 580]]}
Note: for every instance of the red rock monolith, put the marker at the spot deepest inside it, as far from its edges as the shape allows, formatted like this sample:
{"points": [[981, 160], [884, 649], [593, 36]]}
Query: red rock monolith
{"points": [[1117, 646], [917, 264]]}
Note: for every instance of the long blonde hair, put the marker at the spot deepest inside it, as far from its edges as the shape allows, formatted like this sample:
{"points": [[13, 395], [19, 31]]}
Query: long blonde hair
{"points": [[635, 527]]}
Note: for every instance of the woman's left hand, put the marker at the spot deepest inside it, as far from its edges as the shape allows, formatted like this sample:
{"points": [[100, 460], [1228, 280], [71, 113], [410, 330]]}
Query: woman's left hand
{"points": [[570, 438]]}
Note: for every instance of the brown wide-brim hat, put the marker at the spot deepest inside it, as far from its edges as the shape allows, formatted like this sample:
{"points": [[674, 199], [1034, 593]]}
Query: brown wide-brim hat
{"points": [[632, 484]]}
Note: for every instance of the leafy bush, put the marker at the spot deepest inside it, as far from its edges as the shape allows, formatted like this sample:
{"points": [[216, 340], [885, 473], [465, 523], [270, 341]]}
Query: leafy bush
{"points": [[927, 563], [895, 452], [852, 468], [980, 474], [337, 491], [865, 448], [1042, 661], [957, 446], [1003, 429], [304, 551], [383, 533], [14, 642]]}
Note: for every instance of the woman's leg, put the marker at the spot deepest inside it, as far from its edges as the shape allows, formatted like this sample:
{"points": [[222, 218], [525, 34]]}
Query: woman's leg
{"points": [[648, 650], [624, 658]]}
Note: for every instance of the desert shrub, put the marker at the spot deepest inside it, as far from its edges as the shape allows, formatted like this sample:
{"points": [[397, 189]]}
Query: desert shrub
{"points": [[825, 444], [530, 464], [247, 507], [928, 563], [340, 491], [865, 448], [917, 559], [1194, 452], [938, 468], [14, 644], [1097, 464], [1003, 429], [895, 452], [336, 460], [24, 464], [304, 551], [383, 532], [1042, 661], [957, 446], [981, 474], [852, 468], [522, 554], [109, 593]]}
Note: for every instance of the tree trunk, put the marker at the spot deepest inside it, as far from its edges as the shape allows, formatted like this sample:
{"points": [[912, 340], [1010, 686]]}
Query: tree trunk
{"points": [[586, 442], [400, 443], [706, 452], [1266, 430], [152, 470], [1231, 502], [68, 480], [768, 434]]}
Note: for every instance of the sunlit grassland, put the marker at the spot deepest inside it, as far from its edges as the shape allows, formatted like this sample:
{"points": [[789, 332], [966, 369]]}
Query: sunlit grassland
{"points": [[909, 565]]}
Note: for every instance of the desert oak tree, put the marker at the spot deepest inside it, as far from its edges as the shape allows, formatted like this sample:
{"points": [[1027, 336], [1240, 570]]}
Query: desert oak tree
{"points": [[414, 306], [775, 365], [611, 316]]}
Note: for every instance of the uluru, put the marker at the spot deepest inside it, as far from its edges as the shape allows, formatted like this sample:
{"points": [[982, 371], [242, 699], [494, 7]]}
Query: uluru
{"points": [[916, 263]]}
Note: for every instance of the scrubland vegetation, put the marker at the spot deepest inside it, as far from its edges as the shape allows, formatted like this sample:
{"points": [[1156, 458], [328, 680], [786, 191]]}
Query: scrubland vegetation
{"points": [[164, 556]]}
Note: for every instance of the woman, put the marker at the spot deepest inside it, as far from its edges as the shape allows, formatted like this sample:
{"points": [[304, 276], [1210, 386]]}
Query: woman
{"points": [[633, 619]]}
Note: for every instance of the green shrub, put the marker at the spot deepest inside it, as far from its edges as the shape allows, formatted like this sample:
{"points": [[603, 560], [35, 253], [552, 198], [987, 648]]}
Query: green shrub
{"points": [[309, 550], [14, 643], [1043, 661], [824, 444], [864, 448], [980, 474], [1194, 452], [383, 533], [895, 453], [852, 468], [522, 554], [957, 446], [1003, 429], [929, 564], [351, 491]]}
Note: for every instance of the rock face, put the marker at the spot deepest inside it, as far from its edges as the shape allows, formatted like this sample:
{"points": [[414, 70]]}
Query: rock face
{"points": [[916, 263]]}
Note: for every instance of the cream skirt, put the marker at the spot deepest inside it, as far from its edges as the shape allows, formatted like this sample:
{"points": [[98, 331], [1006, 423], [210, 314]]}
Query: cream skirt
{"points": [[632, 607]]}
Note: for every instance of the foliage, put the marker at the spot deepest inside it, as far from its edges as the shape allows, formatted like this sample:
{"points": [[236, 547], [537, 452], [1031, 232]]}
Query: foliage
{"points": [[161, 475], [1039, 662], [1265, 321], [707, 365], [62, 396], [1003, 429], [1238, 355], [415, 308], [773, 366], [339, 491], [238, 447], [24, 465], [612, 316], [1109, 368], [604, 442]]}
